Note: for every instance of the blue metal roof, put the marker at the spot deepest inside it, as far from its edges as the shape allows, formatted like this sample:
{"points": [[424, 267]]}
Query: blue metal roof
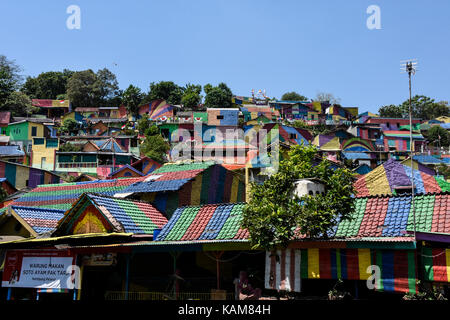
{"points": [[427, 159], [155, 186], [11, 151], [356, 155]]}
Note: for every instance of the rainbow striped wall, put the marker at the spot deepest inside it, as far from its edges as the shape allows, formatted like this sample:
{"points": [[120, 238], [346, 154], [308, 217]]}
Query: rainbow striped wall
{"points": [[436, 264], [216, 184], [285, 269], [157, 109], [21, 176]]}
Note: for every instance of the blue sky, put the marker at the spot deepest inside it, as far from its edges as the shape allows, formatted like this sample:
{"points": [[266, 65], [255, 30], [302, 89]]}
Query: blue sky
{"points": [[279, 46]]}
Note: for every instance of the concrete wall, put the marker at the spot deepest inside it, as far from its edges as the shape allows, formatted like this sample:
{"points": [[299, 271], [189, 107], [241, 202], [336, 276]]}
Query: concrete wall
{"points": [[40, 151]]}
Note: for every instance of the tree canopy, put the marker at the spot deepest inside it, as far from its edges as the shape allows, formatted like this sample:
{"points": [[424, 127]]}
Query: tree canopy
{"points": [[166, 90], [293, 96], [87, 88], [154, 145], [438, 136], [10, 78], [68, 127], [132, 98], [422, 107], [19, 104], [274, 213], [191, 96], [219, 96], [47, 85]]}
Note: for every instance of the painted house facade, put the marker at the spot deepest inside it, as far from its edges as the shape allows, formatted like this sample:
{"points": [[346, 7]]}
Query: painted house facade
{"points": [[176, 185]]}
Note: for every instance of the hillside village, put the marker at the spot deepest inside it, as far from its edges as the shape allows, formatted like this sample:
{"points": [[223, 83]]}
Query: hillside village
{"points": [[107, 188]]}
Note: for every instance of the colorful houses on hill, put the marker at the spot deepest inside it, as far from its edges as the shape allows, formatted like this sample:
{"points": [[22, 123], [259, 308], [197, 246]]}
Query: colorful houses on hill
{"points": [[125, 211]]}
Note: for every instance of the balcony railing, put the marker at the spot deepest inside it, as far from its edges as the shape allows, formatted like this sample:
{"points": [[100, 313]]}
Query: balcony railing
{"points": [[67, 165], [122, 295]]}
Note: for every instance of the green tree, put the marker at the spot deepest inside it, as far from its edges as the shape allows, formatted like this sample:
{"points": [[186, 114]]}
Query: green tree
{"points": [[439, 109], [10, 78], [70, 147], [191, 96], [132, 98], [274, 213], [390, 111], [422, 107], [143, 124], [293, 96], [443, 170], [154, 145], [87, 88], [47, 85], [218, 97], [69, 126], [106, 87], [152, 131], [438, 136], [19, 104], [80, 88], [165, 90]]}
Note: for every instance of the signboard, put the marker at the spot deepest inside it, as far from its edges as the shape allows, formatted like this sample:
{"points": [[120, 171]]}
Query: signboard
{"points": [[106, 259], [39, 269]]}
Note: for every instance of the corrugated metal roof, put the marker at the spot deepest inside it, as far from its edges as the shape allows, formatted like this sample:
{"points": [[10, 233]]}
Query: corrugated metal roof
{"points": [[205, 222], [11, 151], [135, 216], [61, 196], [169, 177]]}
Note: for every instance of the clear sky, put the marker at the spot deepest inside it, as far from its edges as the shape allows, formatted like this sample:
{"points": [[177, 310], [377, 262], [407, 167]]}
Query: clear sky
{"points": [[279, 46]]}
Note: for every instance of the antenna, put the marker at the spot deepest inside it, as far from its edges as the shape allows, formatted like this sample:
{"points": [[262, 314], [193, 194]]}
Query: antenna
{"points": [[410, 67]]}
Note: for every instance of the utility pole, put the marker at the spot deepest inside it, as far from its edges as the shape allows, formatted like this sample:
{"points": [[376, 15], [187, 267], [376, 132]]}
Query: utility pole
{"points": [[409, 66]]}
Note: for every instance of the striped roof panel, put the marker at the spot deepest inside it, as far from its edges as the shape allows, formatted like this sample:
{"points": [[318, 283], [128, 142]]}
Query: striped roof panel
{"points": [[206, 222], [40, 220], [61, 196], [393, 216]]}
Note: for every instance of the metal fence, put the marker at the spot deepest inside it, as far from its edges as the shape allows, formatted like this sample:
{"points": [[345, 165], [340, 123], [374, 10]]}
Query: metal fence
{"points": [[122, 295]]}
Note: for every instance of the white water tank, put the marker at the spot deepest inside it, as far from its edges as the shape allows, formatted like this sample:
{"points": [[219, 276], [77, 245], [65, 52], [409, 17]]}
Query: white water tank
{"points": [[308, 187]]}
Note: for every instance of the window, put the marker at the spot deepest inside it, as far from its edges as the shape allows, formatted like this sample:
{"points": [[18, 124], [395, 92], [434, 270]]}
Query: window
{"points": [[51, 143], [127, 174], [220, 117], [292, 136], [33, 131], [38, 141]]}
